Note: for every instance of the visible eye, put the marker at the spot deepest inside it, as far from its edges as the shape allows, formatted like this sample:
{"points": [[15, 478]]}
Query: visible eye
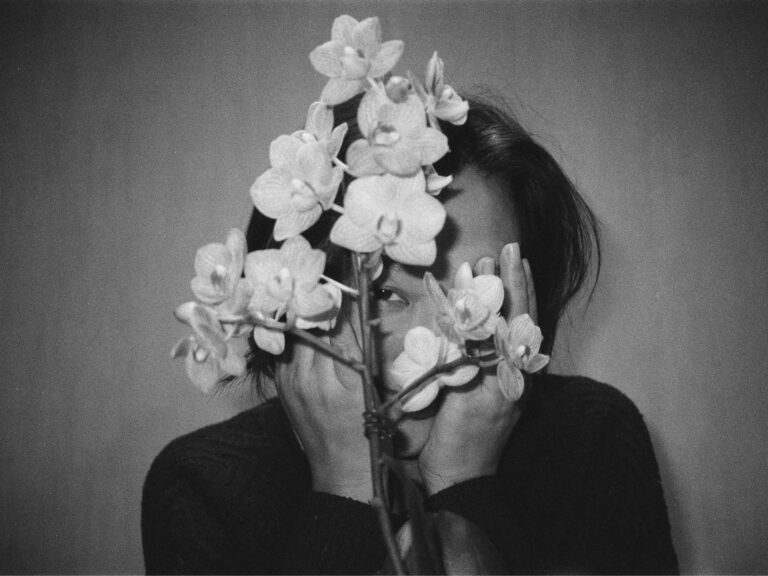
{"points": [[389, 296]]}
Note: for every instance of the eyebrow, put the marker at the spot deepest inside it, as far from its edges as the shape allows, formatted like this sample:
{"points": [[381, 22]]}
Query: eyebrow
{"points": [[444, 284]]}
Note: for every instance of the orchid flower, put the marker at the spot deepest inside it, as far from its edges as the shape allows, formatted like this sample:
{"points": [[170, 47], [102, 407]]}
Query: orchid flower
{"points": [[435, 182], [209, 351], [422, 351], [354, 54], [440, 100], [390, 213], [396, 138], [300, 185], [287, 281], [471, 309], [319, 128], [268, 339], [518, 345], [218, 268]]}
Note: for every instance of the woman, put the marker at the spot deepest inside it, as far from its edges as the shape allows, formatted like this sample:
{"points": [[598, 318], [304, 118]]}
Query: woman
{"points": [[564, 479]]}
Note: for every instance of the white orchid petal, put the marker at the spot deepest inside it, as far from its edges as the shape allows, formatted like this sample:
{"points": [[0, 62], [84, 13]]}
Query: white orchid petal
{"points": [[262, 301], [314, 164], [206, 292], [536, 363], [319, 120], [326, 58], [368, 110], [262, 264], [435, 292], [237, 245], [423, 219], [388, 55], [408, 117], [490, 290], [233, 363], [282, 151], [511, 381], [400, 160], [422, 346], [416, 254], [436, 183], [422, 398], [348, 235], [342, 28], [361, 161], [366, 35], [271, 193], [336, 139], [183, 347], [432, 145], [296, 223], [313, 303], [522, 331], [205, 375], [368, 198], [210, 257], [434, 70], [272, 341], [460, 375], [338, 90], [326, 193], [453, 111], [405, 369]]}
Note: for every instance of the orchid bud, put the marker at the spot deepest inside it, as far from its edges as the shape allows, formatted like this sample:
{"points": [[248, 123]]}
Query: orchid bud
{"points": [[397, 89]]}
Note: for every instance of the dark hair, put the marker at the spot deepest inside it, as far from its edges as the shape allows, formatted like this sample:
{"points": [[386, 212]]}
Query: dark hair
{"points": [[559, 234]]}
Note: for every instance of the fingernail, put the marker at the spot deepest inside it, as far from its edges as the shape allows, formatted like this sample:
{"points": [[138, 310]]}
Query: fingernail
{"points": [[513, 251]]}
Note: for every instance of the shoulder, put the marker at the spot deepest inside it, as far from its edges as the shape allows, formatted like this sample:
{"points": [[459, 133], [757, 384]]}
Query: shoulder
{"points": [[250, 439], [581, 421], [580, 401], [210, 494]]}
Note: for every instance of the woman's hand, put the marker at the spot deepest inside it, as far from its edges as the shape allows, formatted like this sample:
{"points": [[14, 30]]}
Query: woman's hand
{"points": [[324, 401], [474, 421]]}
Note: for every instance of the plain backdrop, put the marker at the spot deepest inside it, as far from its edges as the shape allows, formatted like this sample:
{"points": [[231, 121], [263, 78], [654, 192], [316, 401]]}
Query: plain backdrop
{"points": [[130, 133]]}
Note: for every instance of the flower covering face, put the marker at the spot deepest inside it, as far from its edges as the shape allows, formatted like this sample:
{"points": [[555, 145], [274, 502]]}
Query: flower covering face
{"points": [[480, 221]]}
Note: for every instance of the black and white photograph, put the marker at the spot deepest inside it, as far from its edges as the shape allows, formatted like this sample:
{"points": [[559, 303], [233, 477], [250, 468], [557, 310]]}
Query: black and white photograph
{"points": [[383, 287]]}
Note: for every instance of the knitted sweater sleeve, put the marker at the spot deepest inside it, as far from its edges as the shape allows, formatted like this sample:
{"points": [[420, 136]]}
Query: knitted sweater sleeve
{"points": [[224, 500], [578, 490]]}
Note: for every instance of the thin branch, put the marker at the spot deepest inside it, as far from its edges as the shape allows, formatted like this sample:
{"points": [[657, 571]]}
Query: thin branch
{"points": [[374, 440], [336, 208], [328, 349], [340, 286], [426, 377]]}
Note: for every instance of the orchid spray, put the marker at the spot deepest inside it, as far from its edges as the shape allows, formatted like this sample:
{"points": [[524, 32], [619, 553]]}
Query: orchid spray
{"points": [[389, 210]]}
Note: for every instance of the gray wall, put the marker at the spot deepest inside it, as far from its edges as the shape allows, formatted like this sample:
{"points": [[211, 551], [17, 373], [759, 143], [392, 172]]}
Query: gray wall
{"points": [[130, 133]]}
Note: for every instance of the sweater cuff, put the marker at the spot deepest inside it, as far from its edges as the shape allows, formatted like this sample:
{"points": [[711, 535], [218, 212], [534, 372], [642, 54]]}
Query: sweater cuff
{"points": [[484, 502], [336, 535]]}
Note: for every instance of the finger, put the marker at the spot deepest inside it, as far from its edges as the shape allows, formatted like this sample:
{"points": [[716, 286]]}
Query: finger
{"points": [[485, 265], [532, 307], [300, 361], [513, 277]]}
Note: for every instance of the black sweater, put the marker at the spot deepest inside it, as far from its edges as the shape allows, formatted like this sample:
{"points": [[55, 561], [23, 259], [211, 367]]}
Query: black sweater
{"points": [[577, 489]]}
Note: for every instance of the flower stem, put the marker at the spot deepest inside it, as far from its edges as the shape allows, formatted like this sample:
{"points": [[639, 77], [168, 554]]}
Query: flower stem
{"points": [[426, 377], [339, 285], [342, 164], [328, 349], [374, 439]]}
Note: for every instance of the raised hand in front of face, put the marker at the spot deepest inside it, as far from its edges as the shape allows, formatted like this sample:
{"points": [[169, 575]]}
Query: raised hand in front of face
{"points": [[474, 421], [324, 401]]}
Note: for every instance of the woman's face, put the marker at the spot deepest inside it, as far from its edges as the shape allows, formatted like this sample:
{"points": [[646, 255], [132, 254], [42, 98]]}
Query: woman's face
{"points": [[480, 221]]}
